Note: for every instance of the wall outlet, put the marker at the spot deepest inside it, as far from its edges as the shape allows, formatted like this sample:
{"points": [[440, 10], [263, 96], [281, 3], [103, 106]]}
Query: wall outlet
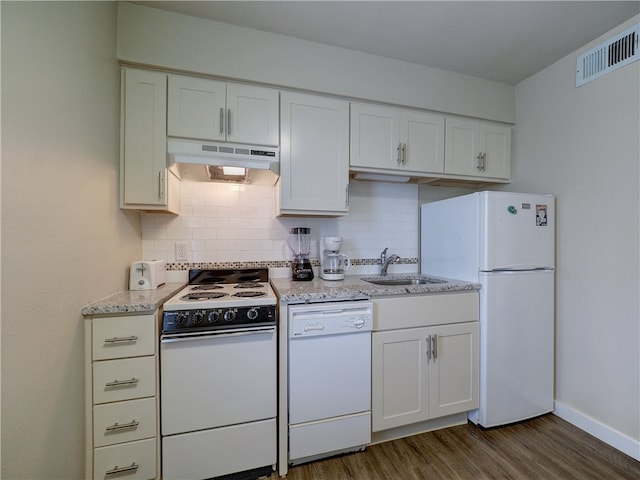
{"points": [[181, 251]]}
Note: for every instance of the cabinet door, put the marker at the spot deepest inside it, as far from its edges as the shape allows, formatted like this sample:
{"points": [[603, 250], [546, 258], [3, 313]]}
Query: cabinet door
{"points": [[462, 147], [400, 378], [375, 137], [454, 369], [496, 144], [144, 158], [196, 108], [477, 149], [314, 155], [422, 139], [252, 115]]}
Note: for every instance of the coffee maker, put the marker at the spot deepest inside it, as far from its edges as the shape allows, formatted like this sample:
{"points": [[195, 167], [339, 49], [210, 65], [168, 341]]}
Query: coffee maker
{"points": [[333, 264], [300, 244]]}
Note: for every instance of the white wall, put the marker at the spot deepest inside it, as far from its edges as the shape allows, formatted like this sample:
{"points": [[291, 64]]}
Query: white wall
{"points": [[583, 146], [155, 37], [65, 242]]}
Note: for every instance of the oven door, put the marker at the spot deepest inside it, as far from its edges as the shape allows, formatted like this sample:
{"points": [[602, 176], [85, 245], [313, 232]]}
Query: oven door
{"points": [[216, 380]]}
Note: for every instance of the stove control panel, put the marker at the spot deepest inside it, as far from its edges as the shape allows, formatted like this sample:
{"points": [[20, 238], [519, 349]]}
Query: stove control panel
{"points": [[218, 318]]}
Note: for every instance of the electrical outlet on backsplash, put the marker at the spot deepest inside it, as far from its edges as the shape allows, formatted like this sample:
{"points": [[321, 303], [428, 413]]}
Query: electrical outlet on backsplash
{"points": [[226, 225]]}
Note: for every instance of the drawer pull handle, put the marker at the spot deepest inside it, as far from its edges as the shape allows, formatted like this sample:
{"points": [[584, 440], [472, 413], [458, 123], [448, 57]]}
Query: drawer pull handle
{"points": [[132, 338], [133, 468], [118, 426], [122, 383]]}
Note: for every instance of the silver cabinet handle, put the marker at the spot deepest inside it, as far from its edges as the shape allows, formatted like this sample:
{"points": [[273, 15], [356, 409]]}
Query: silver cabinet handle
{"points": [[404, 153], [484, 161], [221, 121], [399, 154], [434, 339], [122, 383], [429, 348], [133, 468], [161, 184], [118, 426], [228, 121], [479, 162], [132, 338]]}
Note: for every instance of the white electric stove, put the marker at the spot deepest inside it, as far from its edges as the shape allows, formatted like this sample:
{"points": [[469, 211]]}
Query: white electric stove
{"points": [[218, 377]]}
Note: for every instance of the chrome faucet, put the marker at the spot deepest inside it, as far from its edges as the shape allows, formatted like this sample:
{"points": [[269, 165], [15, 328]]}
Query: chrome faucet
{"points": [[385, 261]]}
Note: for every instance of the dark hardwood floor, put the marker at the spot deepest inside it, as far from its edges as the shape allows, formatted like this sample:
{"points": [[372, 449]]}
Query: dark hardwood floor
{"points": [[546, 447]]}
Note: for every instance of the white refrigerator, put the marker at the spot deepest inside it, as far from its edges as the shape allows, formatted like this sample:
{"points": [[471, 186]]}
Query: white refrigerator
{"points": [[506, 242]]}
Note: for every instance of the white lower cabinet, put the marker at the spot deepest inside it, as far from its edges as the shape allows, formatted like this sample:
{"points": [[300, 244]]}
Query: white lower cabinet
{"points": [[133, 461], [124, 421], [426, 372], [122, 401]]}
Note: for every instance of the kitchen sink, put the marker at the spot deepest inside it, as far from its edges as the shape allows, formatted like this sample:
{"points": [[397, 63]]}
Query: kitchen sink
{"points": [[402, 281]]}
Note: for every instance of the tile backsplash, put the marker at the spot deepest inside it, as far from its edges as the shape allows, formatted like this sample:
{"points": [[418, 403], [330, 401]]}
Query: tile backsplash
{"points": [[237, 223]]}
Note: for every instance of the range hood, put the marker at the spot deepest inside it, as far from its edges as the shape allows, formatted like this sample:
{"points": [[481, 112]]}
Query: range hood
{"points": [[210, 161]]}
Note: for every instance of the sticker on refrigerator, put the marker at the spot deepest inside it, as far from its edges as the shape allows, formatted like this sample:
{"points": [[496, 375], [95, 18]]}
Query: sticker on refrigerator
{"points": [[541, 215]]}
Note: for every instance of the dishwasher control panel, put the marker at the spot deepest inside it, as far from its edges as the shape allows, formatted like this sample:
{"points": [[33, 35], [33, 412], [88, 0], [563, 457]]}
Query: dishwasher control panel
{"points": [[330, 318]]}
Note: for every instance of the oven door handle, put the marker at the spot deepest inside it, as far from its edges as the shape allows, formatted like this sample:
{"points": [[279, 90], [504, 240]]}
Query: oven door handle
{"points": [[188, 337]]}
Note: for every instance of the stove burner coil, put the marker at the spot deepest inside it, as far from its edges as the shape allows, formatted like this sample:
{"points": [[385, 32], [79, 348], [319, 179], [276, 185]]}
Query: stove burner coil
{"points": [[203, 296], [249, 285], [206, 287], [249, 294]]}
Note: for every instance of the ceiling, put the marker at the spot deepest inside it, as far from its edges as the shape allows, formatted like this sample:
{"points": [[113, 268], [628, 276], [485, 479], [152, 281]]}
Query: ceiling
{"points": [[505, 41]]}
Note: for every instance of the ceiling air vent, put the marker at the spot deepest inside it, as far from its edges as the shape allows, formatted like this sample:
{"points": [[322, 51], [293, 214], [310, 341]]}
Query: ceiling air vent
{"points": [[608, 56]]}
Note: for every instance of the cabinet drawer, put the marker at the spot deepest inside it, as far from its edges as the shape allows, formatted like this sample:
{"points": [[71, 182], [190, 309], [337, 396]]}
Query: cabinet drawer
{"points": [[115, 380], [411, 311], [124, 421], [134, 460], [123, 336]]}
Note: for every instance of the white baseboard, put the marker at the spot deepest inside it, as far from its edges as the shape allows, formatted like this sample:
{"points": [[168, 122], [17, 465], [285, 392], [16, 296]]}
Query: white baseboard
{"points": [[608, 435]]}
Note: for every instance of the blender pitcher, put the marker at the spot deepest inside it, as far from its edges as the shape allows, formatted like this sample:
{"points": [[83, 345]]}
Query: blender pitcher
{"points": [[300, 244]]}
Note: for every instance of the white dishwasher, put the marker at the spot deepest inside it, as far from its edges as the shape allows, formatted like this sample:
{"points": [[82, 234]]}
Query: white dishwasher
{"points": [[329, 379]]}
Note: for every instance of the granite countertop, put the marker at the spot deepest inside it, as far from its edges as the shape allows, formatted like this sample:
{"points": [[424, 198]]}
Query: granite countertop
{"points": [[132, 301], [354, 288]]}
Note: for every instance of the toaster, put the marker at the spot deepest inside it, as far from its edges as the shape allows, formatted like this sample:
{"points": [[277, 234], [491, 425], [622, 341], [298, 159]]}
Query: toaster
{"points": [[147, 274]]}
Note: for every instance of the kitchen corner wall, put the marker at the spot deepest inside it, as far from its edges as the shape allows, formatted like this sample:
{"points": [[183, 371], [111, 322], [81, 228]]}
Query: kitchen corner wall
{"points": [[231, 222], [582, 145], [65, 242]]}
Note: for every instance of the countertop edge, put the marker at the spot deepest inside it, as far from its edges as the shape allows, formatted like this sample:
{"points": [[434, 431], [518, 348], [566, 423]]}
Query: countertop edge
{"points": [[354, 288], [132, 301]]}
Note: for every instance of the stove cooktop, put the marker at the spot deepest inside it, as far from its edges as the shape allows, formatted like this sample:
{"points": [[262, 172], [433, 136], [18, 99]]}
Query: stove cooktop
{"points": [[220, 300], [223, 288]]}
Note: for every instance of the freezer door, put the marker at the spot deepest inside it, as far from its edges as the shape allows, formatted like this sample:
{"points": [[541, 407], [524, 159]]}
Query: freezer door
{"points": [[516, 346], [449, 238], [517, 231]]}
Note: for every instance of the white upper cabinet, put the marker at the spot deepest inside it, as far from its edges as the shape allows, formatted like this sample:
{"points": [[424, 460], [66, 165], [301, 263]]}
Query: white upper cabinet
{"points": [[422, 139], [314, 155], [399, 141], [205, 109], [145, 182], [478, 149]]}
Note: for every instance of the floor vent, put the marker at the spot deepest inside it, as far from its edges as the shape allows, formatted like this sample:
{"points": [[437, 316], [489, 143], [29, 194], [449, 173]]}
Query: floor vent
{"points": [[608, 56]]}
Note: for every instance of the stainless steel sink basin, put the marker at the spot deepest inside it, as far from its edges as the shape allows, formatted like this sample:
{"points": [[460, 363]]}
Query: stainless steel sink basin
{"points": [[403, 281]]}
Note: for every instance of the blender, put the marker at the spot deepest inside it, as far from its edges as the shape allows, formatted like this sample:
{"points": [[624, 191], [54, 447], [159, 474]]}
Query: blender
{"points": [[300, 244]]}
